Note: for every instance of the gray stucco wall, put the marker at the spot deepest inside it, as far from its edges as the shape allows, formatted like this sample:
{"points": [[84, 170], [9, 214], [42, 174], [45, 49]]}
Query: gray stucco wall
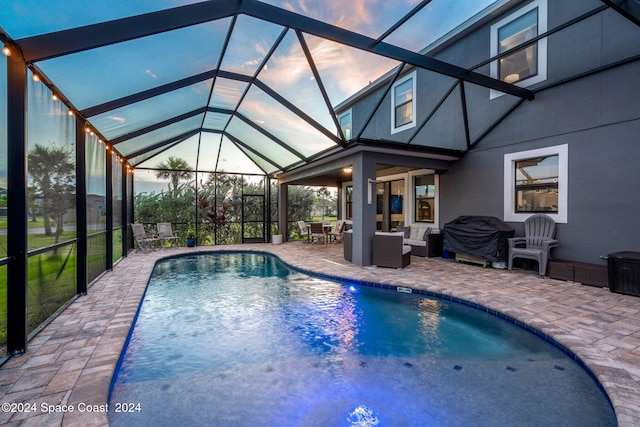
{"points": [[599, 118], [596, 111]]}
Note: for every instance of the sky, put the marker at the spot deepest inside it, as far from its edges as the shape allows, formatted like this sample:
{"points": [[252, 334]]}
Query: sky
{"points": [[92, 77]]}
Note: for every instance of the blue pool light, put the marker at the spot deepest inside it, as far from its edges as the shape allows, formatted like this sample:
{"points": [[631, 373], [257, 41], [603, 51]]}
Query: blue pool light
{"points": [[362, 416]]}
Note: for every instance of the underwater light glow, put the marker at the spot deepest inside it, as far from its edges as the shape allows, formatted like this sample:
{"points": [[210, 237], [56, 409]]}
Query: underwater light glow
{"points": [[363, 417]]}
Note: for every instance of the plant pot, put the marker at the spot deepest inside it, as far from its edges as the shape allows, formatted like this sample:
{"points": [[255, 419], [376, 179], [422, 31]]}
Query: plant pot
{"points": [[191, 243], [276, 239]]}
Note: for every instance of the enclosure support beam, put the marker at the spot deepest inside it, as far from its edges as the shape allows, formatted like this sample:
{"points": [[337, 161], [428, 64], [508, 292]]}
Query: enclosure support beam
{"points": [[109, 210], [283, 209], [81, 208], [17, 248], [125, 211]]}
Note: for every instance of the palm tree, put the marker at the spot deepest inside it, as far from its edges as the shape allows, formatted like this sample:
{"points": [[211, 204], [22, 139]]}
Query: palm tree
{"points": [[175, 169], [53, 172]]}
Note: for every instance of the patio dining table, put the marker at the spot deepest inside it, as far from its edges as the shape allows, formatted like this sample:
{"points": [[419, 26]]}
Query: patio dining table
{"points": [[326, 229]]}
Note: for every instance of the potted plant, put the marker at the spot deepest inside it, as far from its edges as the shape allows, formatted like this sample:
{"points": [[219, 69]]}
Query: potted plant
{"points": [[191, 237]]}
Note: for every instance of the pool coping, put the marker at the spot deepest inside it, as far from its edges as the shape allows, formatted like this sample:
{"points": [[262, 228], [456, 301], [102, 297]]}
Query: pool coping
{"points": [[72, 360]]}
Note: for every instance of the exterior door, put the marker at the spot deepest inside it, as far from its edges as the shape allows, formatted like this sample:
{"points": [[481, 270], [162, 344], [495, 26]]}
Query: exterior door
{"points": [[253, 218]]}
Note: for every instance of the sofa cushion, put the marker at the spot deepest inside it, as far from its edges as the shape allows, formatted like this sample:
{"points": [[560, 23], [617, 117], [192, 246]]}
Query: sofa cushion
{"points": [[406, 249], [415, 242], [390, 233], [415, 233]]}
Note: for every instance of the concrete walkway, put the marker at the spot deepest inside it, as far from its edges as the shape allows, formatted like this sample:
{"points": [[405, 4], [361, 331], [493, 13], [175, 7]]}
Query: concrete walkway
{"points": [[64, 377]]}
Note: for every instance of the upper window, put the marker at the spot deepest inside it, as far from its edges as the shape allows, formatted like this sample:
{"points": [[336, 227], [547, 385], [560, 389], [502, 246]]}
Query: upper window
{"points": [[345, 124], [527, 65], [403, 109], [536, 181]]}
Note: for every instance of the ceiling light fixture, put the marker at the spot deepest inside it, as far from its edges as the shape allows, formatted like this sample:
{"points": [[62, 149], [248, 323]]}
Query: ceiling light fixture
{"points": [[348, 169], [35, 78], [6, 51], [54, 97]]}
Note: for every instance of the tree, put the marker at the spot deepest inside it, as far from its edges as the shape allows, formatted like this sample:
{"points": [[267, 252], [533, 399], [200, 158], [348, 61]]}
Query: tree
{"points": [[175, 169], [53, 173], [325, 201]]}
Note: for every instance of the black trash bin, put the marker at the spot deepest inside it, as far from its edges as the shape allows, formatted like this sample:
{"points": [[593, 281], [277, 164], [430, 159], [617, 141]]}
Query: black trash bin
{"points": [[624, 272]]}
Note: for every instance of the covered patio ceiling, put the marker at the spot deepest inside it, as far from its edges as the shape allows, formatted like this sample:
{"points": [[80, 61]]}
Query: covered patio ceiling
{"points": [[241, 86]]}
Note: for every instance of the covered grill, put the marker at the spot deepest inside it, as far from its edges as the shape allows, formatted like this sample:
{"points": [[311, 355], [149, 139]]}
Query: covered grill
{"points": [[479, 236]]}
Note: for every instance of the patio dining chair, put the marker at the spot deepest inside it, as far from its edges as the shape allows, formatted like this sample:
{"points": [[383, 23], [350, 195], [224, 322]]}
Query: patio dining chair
{"points": [[539, 230], [336, 235], [145, 242], [166, 234], [303, 229], [316, 231]]}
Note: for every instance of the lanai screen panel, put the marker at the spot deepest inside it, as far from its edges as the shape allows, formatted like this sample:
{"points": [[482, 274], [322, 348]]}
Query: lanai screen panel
{"points": [[137, 145], [289, 73], [139, 160], [434, 21], [186, 150], [216, 121], [209, 150], [139, 115], [263, 110], [250, 42], [103, 74], [345, 70], [232, 158], [369, 17], [256, 140], [227, 93], [40, 18]]}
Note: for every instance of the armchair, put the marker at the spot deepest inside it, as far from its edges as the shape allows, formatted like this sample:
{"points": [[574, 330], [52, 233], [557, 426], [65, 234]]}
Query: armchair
{"points": [[389, 250], [538, 241]]}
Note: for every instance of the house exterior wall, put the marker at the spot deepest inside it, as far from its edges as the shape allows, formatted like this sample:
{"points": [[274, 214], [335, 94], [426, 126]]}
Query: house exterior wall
{"points": [[596, 114]]}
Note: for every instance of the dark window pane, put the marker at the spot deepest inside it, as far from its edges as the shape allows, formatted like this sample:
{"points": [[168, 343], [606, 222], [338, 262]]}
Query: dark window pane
{"points": [[537, 184], [523, 63]]}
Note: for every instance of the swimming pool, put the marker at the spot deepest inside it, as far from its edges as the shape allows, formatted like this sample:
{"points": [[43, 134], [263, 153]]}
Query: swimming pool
{"points": [[240, 339]]}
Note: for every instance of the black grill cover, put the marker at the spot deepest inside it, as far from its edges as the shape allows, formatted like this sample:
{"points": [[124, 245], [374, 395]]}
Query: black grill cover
{"points": [[480, 236]]}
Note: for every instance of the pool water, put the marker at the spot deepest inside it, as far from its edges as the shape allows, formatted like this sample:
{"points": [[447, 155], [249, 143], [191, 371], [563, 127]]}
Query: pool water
{"points": [[239, 339]]}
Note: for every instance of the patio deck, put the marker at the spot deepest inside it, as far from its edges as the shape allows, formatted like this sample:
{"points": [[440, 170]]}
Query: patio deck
{"points": [[72, 360]]}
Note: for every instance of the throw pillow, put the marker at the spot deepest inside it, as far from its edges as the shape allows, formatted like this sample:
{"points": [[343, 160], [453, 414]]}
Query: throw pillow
{"points": [[426, 234], [407, 232]]}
